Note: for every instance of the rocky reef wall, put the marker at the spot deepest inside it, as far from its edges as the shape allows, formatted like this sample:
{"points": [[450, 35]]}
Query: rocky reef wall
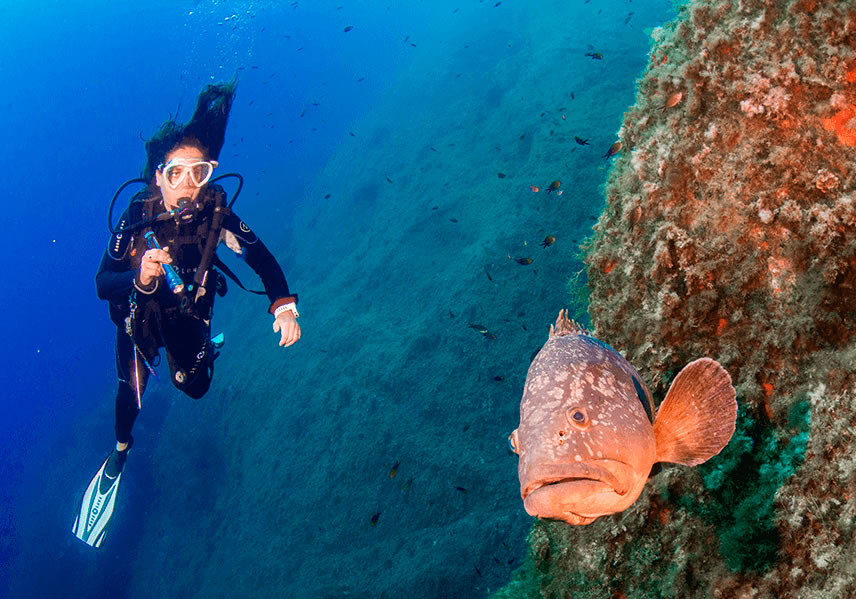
{"points": [[730, 231]]}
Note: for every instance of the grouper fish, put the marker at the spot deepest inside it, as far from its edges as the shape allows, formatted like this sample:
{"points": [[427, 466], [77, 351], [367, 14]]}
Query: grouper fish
{"points": [[588, 436]]}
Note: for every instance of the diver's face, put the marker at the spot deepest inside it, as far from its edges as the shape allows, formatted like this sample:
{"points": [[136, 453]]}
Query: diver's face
{"points": [[186, 189]]}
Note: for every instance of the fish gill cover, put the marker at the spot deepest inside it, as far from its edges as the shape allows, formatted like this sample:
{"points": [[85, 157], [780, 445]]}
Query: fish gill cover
{"points": [[729, 232]]}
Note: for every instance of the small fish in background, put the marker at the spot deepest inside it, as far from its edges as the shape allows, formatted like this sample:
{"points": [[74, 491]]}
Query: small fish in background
{"points": [[348, 28], [613, 150], [499, 378], [673, 100], [582, 142], [462, 490], [394, 470], [589, 436], [523, 261], [554, 186], [406, 486], [375, 518], [483, 330], [501, 175], [548, 241], [628, 17], [594, 55], [534, 189]]}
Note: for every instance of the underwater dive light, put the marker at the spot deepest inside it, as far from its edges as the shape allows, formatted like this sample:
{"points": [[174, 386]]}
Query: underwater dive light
{"points": [[172, 279]]}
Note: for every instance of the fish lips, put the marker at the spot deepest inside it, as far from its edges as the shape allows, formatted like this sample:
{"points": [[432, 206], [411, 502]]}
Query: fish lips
{"points": [[595, 477]]}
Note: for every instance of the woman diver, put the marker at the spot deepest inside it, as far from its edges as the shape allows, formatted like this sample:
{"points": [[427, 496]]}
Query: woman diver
{"points": [[158, 277]]}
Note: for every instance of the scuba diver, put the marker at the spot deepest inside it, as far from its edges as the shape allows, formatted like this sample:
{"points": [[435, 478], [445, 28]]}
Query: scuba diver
{"points": [[158, 275]]}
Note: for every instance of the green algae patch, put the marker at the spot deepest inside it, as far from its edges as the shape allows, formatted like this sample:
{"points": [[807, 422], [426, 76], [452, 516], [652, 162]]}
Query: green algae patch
{"points": [[742, 485]]}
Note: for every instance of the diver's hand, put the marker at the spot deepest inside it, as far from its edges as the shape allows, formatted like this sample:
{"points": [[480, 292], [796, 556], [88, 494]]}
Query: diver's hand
{"points": [[150, 266], [286, 325]]}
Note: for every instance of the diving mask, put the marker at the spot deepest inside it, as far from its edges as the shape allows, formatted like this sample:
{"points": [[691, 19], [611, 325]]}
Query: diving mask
{"points": [[177, 169]]}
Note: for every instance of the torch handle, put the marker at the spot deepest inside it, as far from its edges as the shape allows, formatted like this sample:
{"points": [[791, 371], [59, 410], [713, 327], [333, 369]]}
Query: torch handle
{"points": [[172, 279]]}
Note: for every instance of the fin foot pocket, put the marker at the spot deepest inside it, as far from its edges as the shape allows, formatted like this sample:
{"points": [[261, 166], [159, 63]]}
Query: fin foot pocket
{"points": [[697, 418]]}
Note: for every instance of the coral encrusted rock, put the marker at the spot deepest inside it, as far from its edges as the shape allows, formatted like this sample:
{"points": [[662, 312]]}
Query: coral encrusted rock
{"points": [[730, 231]]}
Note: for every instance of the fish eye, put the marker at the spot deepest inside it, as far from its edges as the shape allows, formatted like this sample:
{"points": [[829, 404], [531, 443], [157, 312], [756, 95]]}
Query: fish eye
{"points": [[578, 417], [511, 444]]}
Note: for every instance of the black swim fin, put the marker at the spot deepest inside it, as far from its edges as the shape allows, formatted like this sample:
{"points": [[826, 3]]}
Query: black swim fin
{"points": [[96, 507]]}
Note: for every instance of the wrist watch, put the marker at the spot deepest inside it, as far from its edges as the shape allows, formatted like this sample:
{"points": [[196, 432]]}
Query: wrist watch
{"points": [[290, 307]]}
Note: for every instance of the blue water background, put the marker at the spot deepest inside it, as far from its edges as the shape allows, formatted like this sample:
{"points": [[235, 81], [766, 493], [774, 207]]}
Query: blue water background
{"points": [[437, 84]]}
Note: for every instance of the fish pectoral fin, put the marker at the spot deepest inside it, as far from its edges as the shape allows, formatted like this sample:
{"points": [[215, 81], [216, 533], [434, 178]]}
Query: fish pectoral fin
{"points": [[698, 416]]}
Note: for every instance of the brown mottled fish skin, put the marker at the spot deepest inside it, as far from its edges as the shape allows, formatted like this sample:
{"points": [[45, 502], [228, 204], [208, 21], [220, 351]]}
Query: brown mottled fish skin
{"points": [[586, 438]]}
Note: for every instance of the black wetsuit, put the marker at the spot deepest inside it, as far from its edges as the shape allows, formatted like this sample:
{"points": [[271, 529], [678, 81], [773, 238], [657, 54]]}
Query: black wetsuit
{"points": [[154, 317]]}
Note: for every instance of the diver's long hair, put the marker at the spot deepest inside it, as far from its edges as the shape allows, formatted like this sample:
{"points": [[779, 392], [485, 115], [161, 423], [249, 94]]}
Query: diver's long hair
{"points": [[206, 129]]}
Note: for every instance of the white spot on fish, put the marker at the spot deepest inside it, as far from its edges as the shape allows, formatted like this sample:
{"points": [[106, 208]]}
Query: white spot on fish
{"points": [[548, 408], [578, 458]]}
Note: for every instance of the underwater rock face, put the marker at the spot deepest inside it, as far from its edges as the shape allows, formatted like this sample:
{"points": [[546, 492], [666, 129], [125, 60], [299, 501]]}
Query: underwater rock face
{"points": [[730, 231]]}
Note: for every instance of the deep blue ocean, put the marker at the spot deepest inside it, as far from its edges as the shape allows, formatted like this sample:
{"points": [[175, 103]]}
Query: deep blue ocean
{"points": [[388, 167]]}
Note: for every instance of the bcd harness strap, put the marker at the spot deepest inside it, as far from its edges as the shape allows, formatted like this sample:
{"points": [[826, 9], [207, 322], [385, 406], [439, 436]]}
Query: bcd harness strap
{"points": [[210, 250], [228, 272]]}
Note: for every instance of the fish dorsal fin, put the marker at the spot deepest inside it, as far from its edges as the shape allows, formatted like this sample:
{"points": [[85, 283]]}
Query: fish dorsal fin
{"points": [[697, 418], [565, 326]]}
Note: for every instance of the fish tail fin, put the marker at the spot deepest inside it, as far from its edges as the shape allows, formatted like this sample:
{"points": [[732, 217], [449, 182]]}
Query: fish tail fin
{"points": [[566, 326], [698, 416]]}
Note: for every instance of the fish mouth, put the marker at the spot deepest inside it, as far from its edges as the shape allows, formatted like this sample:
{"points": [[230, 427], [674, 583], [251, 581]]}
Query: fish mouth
{"points": [[612, 475]]}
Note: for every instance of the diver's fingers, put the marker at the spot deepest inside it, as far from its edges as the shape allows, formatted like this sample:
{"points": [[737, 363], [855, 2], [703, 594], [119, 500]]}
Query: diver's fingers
{"points": [[290, 336], [285, 335], [150, 269], [157, 256]]}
